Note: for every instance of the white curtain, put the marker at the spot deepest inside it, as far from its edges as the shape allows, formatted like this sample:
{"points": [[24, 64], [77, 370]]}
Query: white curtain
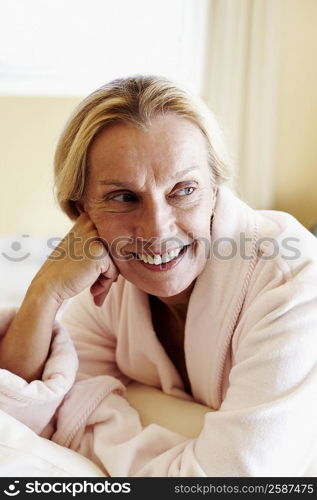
{"points": [[241, 87]]}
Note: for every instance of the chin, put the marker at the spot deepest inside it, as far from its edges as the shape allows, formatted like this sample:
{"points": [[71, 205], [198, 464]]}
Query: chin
{"points": [[166, 292], [163, 289]]}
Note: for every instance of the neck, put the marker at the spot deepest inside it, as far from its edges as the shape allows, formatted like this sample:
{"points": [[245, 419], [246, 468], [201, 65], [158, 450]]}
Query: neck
{"points": [[178, 304]]}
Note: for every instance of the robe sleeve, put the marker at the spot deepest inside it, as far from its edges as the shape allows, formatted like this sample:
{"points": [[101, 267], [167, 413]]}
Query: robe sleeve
{"points": [[35, 403], [266, 424]]}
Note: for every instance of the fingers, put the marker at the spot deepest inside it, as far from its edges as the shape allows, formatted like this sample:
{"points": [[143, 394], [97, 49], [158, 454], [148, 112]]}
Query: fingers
{"points": [[99, 252], [112, 271], [101, 287], [99, 299]]}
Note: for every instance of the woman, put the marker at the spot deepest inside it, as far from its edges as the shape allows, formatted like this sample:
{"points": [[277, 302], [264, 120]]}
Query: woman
{"points": [[175, 284]]}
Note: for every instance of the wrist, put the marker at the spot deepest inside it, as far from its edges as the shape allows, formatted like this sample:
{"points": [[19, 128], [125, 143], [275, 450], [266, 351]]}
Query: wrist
{"points": [[42, 294]]}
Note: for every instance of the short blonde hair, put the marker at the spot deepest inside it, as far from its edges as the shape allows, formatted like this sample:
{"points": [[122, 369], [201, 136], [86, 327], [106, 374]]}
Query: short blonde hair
{"points": [[133, 100]]}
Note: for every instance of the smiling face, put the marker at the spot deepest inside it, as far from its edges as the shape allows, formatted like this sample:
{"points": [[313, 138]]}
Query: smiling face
{"points": [[150, 194]]}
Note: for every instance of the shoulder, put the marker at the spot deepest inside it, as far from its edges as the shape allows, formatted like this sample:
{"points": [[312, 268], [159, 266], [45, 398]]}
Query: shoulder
{"points": [[277, 242], [283, 266], [285, 245], [279, 312], [283, 283], [277, 224]]}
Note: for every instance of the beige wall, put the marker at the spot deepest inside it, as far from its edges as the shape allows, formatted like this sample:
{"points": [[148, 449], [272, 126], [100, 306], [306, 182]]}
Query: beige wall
{"points": [[296, 155], [29, 129]]}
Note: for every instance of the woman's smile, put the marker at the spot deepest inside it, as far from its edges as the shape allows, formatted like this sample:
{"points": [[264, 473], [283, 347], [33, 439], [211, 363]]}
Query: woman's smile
{"points": [[162, 262]]}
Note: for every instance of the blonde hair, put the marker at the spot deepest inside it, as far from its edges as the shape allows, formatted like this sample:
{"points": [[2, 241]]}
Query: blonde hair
{"points": [[133, 100]]}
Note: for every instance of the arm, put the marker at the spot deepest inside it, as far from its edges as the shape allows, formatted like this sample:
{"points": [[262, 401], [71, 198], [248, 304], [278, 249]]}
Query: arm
{"points": [[35, 403], [37, 359], [156, 407], [25, 354], [25, 347]]}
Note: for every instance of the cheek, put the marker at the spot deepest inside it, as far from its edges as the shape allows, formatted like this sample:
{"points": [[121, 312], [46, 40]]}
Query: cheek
{"points": [[116, 240], [109, 228], [198, 219]]}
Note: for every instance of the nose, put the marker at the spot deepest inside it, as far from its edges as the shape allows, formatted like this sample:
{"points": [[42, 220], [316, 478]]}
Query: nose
{"points": [[156, 221]]}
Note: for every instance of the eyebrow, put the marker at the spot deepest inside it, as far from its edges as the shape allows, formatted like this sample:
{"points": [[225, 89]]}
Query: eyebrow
{"points": [[116, 182]]}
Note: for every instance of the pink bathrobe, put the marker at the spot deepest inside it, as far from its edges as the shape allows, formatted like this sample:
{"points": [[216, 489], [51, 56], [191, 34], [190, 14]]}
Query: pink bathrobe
{"points": [[250, 348]]}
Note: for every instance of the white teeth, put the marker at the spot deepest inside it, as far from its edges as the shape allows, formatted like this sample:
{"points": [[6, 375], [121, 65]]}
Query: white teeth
{"points": [[159, 259], [165, 257]]}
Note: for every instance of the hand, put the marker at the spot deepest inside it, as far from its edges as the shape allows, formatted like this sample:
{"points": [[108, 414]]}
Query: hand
{"points": [[80, 260]]}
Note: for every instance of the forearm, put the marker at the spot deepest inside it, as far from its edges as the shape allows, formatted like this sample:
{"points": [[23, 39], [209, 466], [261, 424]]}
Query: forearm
{"points": [[179, 415], [25, 347]]}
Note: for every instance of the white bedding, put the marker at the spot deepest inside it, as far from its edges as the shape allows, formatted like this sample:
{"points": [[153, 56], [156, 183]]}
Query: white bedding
{"points": [[24, 454], [20, 258]]}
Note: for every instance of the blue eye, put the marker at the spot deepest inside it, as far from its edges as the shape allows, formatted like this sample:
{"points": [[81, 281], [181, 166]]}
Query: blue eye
{"points": [[186, 191]]}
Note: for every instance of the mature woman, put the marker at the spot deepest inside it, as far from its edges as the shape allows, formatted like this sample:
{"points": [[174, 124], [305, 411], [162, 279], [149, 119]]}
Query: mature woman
{"points": [[176, 284]]}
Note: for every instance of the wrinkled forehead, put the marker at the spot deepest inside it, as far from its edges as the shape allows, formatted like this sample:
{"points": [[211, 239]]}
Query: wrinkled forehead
{"points": [[168, 144]]}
